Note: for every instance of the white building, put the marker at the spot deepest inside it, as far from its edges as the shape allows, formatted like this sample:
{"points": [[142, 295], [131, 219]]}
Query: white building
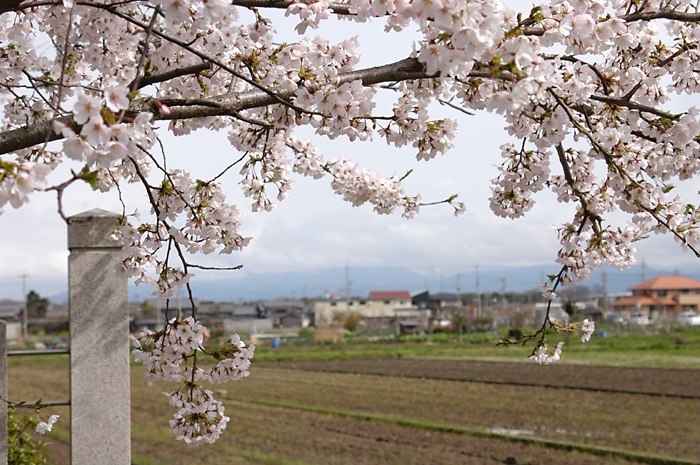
{"points": [[380, 304]]}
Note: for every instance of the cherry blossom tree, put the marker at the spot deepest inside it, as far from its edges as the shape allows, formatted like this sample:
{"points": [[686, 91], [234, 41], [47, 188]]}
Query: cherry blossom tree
{"points": [[584, 87]]}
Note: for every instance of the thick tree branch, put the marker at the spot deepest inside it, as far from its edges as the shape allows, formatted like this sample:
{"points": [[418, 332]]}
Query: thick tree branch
{"points": [[28, 136], [621, 102], [662, 14], [9, 5], [172, 74], [224, 105], [335, 7]]}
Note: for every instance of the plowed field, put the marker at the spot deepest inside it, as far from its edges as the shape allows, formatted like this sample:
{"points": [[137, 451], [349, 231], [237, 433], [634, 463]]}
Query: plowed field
{"points": [[669, 382], [420, 412]]}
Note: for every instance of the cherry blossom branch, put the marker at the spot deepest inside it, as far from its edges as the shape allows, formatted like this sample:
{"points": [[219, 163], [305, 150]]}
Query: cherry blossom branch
{"points": [[550, 294], [203, 56], [229, 167], [64, 63], [145, 81], [623, 102], [335, 7], [572, 185], [662, 14], [31, 80], [144, 52], [38, 405], [62, 187], [668, 227], [224, 105], [217, 268], [633, 182]]}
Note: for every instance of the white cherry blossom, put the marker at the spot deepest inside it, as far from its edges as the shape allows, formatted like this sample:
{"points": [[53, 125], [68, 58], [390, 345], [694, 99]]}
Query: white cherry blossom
{"points": [[44, 427]]}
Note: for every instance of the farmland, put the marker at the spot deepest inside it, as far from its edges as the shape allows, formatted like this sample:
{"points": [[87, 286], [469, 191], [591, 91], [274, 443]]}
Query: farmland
{"points": [[363, 407]]}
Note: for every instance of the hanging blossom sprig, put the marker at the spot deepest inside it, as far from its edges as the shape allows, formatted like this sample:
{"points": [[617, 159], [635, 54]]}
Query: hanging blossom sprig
{"points": [[43, 427], [171, 355], [542, 353]]}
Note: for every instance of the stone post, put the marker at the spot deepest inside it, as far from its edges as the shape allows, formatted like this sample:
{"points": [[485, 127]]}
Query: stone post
{"points": [[99, 352], [3, 393]]}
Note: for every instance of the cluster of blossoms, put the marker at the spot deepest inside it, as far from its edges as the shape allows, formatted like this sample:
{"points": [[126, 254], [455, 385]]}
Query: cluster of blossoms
{"points": [[587, 330], [311, 14], [541, 353], [200, 417], [211, 224], [164, 352], [543, 357], [512, 192], [18, 180], [360, 186]]}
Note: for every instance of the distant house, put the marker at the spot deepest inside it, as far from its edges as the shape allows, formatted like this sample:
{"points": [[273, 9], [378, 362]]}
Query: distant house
{"points": [[665, 296], [225, 316], [441, 305], [441, 308], [556, 311], [288, 313], [11, 313], [381, 307], [395, 298], [436, 301], [234, 318]]}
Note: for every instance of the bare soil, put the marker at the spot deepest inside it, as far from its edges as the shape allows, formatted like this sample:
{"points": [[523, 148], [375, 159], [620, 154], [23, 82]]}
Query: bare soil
{"points": [[416, 390], [645, 424], [669, 382]]}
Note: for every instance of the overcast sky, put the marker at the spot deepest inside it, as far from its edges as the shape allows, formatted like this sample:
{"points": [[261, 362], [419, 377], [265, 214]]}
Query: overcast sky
{"points": [[314, 229]]}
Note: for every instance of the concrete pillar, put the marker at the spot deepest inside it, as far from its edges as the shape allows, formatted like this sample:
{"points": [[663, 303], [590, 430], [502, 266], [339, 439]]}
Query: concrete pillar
{"points": [[99, 352], [3, 393]]}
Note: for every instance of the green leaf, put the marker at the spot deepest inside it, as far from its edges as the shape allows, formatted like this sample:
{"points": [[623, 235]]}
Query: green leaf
{"points": [[90, 177]]}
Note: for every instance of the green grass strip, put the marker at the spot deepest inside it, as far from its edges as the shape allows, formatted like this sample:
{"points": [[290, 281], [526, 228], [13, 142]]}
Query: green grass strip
{"points": [[430, 426], [143, 460]]}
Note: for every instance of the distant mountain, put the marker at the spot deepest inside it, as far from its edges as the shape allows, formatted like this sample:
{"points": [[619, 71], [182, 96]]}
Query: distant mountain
{"points": [[362, 280]]}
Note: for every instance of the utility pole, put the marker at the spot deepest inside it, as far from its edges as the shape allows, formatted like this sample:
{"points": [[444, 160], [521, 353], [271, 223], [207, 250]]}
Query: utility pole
{"points": [[459, 288], [348, 284], [25, 328], [605, 291], [503, 290], [478, 290]]}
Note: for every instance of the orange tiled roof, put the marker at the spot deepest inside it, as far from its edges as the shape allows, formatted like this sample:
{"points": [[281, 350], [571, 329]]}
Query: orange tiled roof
{"points": [[398, 295], [667, 282], [634, 300], [667, 301]]}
